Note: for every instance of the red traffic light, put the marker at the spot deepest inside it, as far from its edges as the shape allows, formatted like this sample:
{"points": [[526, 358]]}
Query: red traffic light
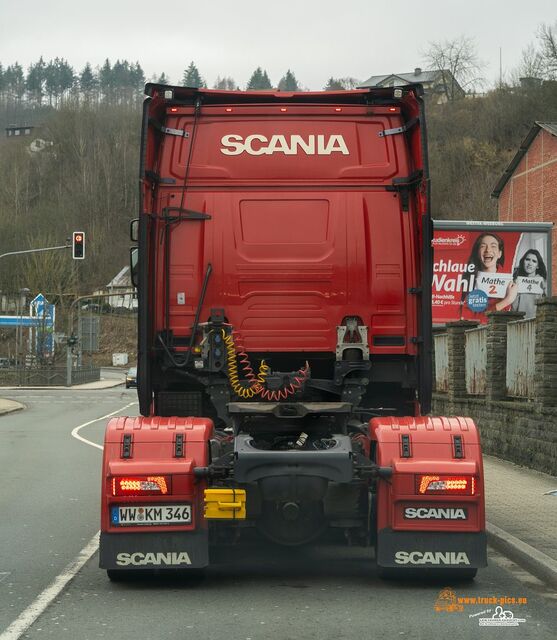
{"points": [[78, 245]]}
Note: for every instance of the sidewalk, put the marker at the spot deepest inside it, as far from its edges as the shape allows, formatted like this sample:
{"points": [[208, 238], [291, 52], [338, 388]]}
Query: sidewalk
{"points": [[9, 406], [522, 519], [103, 383]]}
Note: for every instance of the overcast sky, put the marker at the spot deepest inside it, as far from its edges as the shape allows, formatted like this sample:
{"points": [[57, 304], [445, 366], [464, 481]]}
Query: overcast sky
{"points": [[315, 38]]}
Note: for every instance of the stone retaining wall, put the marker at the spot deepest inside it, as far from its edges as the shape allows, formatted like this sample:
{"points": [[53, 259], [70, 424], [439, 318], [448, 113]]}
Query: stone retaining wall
{"points": [[524, 432]]}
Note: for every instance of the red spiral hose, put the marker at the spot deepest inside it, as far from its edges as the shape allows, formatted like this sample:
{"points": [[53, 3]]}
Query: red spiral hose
{"points": [[295, 385]]}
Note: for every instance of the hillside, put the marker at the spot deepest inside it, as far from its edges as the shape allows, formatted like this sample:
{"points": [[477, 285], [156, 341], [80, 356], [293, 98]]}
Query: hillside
{"points": [[85, 178]]}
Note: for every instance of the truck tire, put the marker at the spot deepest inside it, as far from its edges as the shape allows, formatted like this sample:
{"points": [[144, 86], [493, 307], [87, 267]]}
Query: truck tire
{"points": [[433, 575], [192, 576], [117, 575], [123, 575]]}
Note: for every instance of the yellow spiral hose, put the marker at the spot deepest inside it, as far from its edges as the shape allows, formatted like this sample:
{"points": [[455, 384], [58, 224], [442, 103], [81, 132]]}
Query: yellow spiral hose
{"points": [[256, 382]]}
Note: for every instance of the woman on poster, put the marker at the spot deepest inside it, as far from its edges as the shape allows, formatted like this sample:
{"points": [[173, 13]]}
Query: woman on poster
{"points": [[532, 267], [487, 256]]}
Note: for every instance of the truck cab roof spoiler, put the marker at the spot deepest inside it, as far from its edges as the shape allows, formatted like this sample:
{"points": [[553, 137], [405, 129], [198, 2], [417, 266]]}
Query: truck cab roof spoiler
{"points": [[382, 95]]}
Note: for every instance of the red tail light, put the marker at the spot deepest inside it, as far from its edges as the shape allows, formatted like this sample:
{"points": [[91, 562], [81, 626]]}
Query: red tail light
{"points": [[454, 485], [140, 485]]}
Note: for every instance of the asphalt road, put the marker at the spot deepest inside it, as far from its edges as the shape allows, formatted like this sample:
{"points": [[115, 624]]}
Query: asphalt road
{"points": [[49, 512]]}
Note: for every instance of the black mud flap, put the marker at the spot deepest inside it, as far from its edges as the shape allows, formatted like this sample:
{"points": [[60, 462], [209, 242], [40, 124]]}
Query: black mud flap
{"points": [[431, 549], [173, 550]]}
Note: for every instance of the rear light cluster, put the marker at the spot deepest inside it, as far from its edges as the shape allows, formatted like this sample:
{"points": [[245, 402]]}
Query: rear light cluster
{"points": [[140, 485], [454, 485]]}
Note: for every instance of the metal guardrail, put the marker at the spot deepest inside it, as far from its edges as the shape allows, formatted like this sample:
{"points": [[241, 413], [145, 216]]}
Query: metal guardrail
{"points": [[441, 350], [476, 360], [521, 344], [46, 376]]}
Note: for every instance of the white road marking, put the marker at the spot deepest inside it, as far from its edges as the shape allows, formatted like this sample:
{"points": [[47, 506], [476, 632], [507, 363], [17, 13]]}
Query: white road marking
{"points": [[27, 617], [41, 602], [75, 432]]}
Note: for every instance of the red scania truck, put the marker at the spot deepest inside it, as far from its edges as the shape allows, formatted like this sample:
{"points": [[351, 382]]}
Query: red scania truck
{"points": [[284, 370]]}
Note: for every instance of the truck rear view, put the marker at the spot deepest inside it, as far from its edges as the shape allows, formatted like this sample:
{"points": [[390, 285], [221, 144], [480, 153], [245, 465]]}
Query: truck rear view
{"points": [[284, 369]]}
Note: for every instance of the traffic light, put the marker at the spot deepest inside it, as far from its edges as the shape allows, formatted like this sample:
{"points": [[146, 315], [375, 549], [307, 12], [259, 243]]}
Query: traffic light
{"points": [[78, 245]]}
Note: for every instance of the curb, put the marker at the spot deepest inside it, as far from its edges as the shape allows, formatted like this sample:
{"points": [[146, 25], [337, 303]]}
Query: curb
{"points": [[539, 564], [12, 407]]}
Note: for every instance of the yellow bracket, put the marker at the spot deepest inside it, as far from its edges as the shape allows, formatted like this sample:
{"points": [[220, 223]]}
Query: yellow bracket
{"points": [[225, 504]]}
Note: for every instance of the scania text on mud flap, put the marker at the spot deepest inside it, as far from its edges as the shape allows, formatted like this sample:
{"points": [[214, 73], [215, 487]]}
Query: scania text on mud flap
{"points": [[283, 268], [431, 513]]}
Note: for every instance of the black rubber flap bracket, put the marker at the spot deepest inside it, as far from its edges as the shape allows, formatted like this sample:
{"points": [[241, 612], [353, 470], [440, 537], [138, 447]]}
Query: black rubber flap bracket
{"points": [[458, 448], [405, 448], [127, 446], [179, 446]]}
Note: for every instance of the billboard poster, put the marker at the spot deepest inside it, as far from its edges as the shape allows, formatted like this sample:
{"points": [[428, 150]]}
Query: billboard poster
{"points": [[482, 266]]}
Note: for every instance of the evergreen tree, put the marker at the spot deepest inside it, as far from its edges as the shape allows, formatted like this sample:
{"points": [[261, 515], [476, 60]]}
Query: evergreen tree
{"points": [[333, 84], [137, 77], [192, 77], [255, 80], [15, 82], [105, 79], [266, 82], [259, 81], [87, 82], [59, 79], [288, 82], [120, 79], [163, 79], [36, 79]]}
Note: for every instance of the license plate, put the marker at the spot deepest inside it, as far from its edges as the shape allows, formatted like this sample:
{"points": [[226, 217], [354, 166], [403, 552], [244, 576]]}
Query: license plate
{"points": [[138, 515]]}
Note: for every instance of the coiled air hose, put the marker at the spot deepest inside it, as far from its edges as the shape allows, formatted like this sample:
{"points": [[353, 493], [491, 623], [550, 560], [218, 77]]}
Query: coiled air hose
{"points": [[256, 382], [288, 390]]}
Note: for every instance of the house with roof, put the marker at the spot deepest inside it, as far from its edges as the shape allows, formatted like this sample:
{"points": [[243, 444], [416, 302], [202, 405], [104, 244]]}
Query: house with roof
{"points": [[527, 190], [440, 83], [14, 130], [119, 292]]}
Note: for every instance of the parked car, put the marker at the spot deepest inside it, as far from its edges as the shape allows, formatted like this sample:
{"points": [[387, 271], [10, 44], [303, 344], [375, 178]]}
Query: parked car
{"points": [[131, 377]]}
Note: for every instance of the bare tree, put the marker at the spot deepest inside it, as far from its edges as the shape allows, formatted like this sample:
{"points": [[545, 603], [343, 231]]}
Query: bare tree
{"points": [[349, 82], [532, 64], [226, 83], [547, 36], [458, 65]]}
